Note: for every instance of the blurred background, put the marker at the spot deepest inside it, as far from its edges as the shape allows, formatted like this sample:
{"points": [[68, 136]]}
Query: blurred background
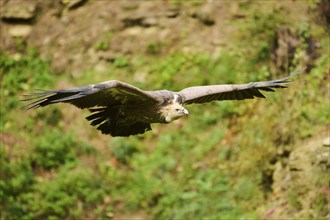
{"points": [[254, 159]]}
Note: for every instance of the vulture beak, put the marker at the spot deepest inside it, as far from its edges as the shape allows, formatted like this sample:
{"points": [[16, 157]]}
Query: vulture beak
{"points": [[185, 112]]}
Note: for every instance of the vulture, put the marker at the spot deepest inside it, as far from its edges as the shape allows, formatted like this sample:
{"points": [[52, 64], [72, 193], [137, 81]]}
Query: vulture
{"points": [[120, 109]]}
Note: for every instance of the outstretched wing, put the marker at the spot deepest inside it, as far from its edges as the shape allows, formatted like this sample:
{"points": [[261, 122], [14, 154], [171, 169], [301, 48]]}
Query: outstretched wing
{"points": [[108, 93], [203, 94]]}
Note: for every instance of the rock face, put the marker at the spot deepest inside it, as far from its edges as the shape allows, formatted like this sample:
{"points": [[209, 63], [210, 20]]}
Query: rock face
{"points": [[20, 31], [72, 4], [326, 142], [19, 10], [66, 29], [300, 183], [285, 47], [173, 12], [139, 20], [205, 15]]}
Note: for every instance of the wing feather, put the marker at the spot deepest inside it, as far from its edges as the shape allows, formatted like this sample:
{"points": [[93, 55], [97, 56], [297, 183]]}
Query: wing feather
{"points": [[202, 94], [257, 93], [108, 93]]}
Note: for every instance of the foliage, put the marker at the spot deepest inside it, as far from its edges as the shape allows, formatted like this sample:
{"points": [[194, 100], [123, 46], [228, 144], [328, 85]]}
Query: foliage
{"points": [[17, 178], [69, 194], [20, 73], [103, 43], [53, 150]]}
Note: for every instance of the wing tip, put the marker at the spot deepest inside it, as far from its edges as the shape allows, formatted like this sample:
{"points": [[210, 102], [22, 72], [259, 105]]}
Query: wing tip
{"points": [[38, 99], [288, 78]]}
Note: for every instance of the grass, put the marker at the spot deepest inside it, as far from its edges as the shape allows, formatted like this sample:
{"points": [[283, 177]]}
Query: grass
{"points": [[209, 166]]}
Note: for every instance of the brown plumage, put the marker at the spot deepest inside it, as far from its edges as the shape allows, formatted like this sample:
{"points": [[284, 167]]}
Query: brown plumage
{"points": [[120, 109]]}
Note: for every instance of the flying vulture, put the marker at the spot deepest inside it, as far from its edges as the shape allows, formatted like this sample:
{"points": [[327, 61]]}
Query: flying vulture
{"points": [[120, 109]]}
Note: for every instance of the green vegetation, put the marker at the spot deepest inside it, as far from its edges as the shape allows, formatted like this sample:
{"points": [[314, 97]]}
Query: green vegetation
{"points": [[209, 166], [104, 42]]}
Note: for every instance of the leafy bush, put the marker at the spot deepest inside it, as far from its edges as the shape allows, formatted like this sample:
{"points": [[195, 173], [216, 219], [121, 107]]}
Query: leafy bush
{"points": [[69, 194], [53, 150], [24, 72], [17, 178], [123, 151], [20, 73]]}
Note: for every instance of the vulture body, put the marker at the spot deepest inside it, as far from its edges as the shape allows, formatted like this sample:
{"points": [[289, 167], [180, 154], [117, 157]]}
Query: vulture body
{"points": [[120, 109]]}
